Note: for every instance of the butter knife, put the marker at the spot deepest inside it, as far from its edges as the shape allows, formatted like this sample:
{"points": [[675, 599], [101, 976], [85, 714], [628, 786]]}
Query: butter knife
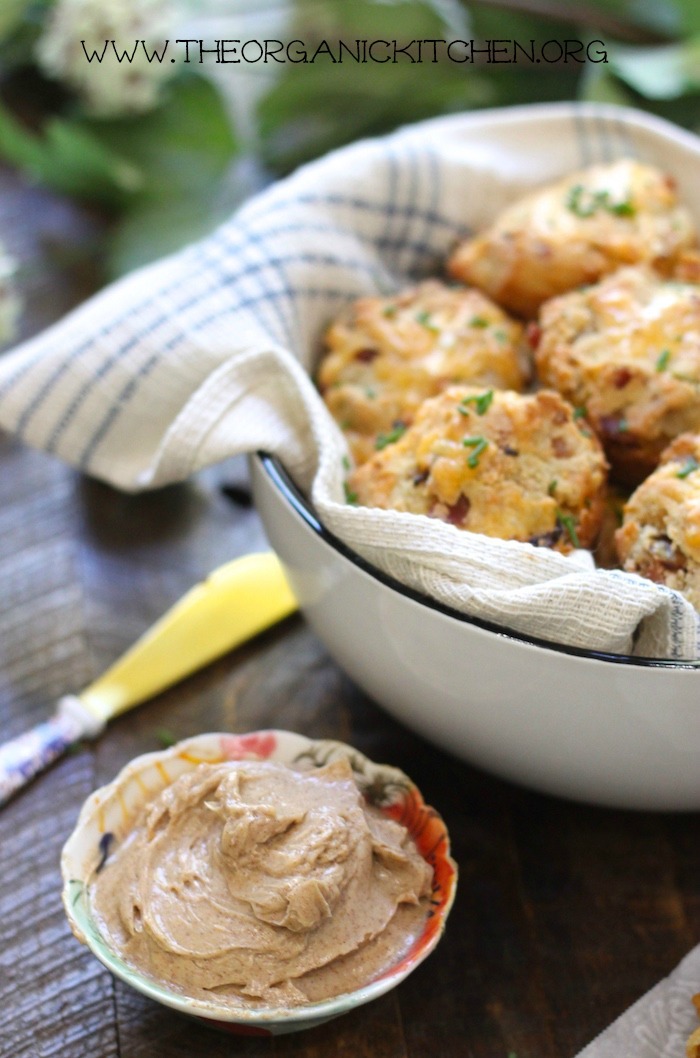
{"points": [[234, 603]]}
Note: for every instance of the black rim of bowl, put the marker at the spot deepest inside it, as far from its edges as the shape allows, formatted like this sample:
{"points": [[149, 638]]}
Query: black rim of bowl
{"points": [[283, 482]]}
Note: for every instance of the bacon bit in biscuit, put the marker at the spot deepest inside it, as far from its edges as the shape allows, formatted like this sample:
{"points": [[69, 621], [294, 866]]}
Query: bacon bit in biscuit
{"points": [[366, 356], [560, 448], [622, 377], [457, 513], [667, 555], [533, 333]]}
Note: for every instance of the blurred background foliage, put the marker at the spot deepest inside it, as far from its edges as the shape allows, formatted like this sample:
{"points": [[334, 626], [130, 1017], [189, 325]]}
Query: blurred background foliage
{"points": [[169, 150]]}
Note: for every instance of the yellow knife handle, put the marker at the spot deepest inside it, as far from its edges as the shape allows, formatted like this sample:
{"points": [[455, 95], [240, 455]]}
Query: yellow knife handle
{"points": [[233, 604]]}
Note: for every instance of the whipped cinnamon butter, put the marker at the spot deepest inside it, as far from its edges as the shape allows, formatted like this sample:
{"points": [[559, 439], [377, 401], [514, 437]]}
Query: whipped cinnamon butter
{"points": [[263, 883]]}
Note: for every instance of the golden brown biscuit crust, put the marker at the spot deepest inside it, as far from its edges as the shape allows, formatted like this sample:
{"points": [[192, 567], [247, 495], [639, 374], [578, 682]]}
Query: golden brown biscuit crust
{"points": [[628, 351], [494, 462], [388, 354], [576, 231], [660, 533], [692, 1047]]}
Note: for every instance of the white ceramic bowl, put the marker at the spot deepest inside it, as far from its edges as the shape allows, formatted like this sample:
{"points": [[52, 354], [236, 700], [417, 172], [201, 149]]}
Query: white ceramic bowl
{"points": [[108, 815], [596, 727]]}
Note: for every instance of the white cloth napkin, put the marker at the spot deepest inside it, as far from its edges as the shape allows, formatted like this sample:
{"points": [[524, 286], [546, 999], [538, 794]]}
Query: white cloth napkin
{"points": [[658, 1024], [207, 354]]}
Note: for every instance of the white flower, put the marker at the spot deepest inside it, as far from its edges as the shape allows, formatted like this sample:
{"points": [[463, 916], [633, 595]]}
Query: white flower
{"points": [[76, 29]]}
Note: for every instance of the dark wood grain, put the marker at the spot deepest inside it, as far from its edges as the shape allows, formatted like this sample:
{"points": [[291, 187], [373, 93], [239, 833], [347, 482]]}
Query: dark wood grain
{"points": [[564, 916]]}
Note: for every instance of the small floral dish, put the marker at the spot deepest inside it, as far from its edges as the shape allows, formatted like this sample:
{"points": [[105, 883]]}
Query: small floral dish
{"points": [[109, 813]]}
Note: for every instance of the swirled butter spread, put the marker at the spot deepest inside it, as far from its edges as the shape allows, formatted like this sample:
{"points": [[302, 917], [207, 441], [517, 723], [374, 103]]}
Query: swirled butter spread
{"points": [[263, 883]]}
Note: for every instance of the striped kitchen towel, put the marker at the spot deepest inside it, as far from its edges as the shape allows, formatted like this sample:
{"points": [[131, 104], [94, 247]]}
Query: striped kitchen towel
{"points": [[208, 353]]}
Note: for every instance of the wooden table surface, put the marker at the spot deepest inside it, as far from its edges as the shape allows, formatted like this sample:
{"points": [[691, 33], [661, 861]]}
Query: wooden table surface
{"points": [[564, 916]]}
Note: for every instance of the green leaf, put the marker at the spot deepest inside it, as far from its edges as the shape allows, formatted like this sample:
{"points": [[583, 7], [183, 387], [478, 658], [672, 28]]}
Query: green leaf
{"points": [[664, 72], [12, 12], [17, 145], [687, 14], [150, 229], [494, 23], [376, 19], [184, 152], [663, 19], [21, 23], [163, 174], [597, 85], [181, 148], [84, 168], [319, 105], [300, 116], [69, 159]]}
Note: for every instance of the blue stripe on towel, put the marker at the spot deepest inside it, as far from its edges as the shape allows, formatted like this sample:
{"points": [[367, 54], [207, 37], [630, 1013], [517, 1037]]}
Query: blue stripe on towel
{"points": [[243, 240], [113, 412]]}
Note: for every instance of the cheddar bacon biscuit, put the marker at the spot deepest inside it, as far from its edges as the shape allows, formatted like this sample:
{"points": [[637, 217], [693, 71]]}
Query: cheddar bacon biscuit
{"points": [[627, 350], [388, 354], [660, 533], [494, 462], [576, 231]]}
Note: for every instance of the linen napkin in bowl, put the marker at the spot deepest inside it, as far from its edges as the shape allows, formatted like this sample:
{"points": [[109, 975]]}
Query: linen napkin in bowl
{"points": [[658, 1024], [208, 353]]}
